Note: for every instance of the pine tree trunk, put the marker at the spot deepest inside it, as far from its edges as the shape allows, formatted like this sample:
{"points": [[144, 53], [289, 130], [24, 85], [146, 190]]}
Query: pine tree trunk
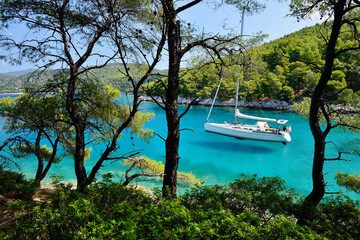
{"points": [[79, 156], [171, 109], [39, 158], [79, 126], [172, 152], [316, 103], [318, 191]]}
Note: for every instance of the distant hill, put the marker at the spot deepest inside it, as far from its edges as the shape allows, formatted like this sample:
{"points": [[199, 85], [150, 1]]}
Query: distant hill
{"points": [[16, 73], [15, 82]]}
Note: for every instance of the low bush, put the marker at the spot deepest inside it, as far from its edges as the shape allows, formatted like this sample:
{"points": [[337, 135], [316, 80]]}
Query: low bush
{"points": [[14, 185], [266, 197], [336, 217], [249, 208]]}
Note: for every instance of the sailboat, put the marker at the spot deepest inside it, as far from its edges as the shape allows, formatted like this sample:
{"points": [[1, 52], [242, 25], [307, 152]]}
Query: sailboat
{"points": [[261, 131]]}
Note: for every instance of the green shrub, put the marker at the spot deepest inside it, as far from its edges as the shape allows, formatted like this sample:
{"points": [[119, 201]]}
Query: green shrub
{"points": [[101, 212], [336, 218], [266, 196], [14, 185], [205, 197], [249, 208]]}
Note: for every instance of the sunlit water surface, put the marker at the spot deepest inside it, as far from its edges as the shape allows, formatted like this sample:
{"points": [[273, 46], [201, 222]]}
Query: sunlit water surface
{"points": [[218, 159]]}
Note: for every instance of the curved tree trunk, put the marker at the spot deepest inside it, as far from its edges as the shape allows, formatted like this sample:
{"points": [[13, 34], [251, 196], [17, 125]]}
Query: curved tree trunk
{"points": [[79, 157], [318, 191], [79, 126], [316, 104], [39, 158]]}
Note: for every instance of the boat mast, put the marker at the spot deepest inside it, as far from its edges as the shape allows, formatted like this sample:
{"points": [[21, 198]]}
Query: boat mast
{"points": [[237, 85]]}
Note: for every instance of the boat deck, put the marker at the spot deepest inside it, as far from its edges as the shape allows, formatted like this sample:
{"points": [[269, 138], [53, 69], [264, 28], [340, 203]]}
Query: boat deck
{"points": [[252, 132]]}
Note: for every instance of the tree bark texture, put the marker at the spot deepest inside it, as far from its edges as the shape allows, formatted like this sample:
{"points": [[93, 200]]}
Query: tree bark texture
{"points": [[39, 158], [316, 102], [79, 126], [79, 121], [171, 109]]}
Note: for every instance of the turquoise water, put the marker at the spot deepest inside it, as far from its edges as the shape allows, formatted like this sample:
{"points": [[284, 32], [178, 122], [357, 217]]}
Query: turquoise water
{"points": [[218, 159]]}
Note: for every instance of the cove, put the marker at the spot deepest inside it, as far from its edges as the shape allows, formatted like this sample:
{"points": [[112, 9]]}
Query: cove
{"points": [[219, 159]]}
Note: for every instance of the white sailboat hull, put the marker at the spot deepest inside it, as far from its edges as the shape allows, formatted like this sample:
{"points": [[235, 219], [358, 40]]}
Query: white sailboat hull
{"points": [[251, 132]]}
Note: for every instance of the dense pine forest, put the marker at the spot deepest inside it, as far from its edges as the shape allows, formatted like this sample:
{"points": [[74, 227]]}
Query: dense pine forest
{"points": [[282, 69]]}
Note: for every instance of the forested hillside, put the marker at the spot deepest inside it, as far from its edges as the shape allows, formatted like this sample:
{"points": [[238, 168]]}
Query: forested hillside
{"points": [[109, 75], [284, 69]]}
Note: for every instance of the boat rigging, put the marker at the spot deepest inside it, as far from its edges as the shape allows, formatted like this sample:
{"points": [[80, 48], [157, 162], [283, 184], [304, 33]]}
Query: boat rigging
{"points": [[261, 131]]}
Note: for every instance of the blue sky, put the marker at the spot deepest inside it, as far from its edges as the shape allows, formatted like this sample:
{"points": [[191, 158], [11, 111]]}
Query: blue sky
{"points": [[271, 21]]}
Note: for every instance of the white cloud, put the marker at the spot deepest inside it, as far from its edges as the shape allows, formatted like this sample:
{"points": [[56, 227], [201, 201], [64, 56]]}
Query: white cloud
{"points": [[3, 63]]}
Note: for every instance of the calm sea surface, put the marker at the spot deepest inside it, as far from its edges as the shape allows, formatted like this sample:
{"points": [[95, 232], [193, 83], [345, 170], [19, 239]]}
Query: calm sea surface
{"points": [[218, 159]]}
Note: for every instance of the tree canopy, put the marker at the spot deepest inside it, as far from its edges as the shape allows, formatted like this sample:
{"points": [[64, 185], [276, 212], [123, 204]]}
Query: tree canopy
{"points": [[282, 69]]}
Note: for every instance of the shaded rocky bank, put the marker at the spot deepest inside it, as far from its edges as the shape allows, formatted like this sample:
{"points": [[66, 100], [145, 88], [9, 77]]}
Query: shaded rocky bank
{"points": [[270, 105]]}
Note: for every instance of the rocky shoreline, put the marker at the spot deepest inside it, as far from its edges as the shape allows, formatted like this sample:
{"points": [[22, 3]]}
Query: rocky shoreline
{"points": [[269, 105]]}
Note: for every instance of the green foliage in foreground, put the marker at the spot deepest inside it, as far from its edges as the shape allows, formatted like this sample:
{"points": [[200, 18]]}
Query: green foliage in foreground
{"points": [[351, 182], [157, 168], [14, 185], [249, 208]]}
